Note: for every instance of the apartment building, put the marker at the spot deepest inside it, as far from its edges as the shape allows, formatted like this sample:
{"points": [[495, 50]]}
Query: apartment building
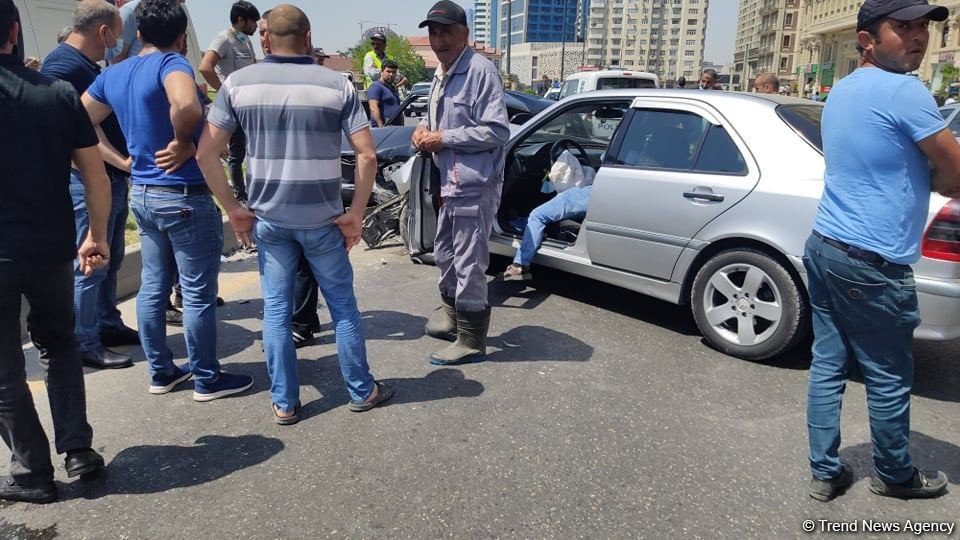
{"points": [[767, 34], [485, 21], [827, 47], [665, 37], [538, 21]]}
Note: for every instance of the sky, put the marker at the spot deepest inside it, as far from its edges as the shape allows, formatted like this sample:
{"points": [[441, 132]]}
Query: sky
{"points": [[337, 23]]}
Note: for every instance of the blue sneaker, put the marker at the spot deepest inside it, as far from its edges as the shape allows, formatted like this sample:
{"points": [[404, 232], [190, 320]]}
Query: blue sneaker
{"points": [[227, 384], [161, 384]]}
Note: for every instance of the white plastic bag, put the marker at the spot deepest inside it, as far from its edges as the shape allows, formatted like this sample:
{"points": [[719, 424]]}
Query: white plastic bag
{"points": [[567, 172]]}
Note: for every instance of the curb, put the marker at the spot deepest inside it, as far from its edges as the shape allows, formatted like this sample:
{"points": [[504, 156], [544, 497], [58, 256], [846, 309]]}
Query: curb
{"points": [[128, 278]]}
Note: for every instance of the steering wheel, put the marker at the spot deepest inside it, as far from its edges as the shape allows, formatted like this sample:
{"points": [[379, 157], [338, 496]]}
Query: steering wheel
{"points": [[564, 144]]}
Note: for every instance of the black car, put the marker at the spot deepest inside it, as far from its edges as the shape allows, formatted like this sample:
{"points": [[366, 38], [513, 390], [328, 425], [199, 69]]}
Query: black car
{"points": [[418, 107], [394, 147]]}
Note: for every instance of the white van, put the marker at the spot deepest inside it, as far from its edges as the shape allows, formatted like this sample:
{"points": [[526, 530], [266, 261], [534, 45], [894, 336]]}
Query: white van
{"points": [[42, 20], [607, 79]]}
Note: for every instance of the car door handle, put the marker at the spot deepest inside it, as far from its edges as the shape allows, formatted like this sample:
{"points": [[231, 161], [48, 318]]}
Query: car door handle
{"points": [[713, 197]]}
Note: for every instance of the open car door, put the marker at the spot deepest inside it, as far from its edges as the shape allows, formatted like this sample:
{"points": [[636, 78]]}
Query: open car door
{"points": [[419, 218]]}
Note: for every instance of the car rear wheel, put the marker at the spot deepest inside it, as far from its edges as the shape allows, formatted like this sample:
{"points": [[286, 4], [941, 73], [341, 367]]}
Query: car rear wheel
{"points": [[747, 304]]}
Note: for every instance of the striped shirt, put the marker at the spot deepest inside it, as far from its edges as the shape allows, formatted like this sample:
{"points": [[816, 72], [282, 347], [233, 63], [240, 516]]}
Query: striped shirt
{"points": [[294, 114]]}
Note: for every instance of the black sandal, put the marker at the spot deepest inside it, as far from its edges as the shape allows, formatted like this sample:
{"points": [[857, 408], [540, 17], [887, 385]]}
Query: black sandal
{"points": [[286, 420], [385, 392]]}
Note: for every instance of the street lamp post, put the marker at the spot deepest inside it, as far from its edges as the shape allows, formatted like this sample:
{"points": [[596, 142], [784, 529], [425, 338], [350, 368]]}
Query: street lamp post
{"points": [[563, 40], [509, 38]]}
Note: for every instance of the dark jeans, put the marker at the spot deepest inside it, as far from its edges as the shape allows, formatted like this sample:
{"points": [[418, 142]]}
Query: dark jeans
{"points": [[49, 291], [305, 299], [238, 151], [95, 296], [863, 312]]}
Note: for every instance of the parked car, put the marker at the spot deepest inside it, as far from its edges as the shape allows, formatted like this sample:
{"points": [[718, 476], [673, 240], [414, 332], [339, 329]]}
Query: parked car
{"points": [[951, 115], [418, 107], [702, 199], [606, 79]]}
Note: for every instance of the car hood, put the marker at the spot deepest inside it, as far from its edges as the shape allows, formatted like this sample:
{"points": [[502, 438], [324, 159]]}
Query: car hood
{"points": [[385, 139]]}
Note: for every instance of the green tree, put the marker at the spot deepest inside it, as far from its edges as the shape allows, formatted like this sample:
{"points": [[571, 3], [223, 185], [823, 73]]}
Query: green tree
{"points": [[948, 74], [399, 49]]}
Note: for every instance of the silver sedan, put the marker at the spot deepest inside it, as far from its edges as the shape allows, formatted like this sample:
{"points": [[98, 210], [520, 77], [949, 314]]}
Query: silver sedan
{"points": [[701, 198]]}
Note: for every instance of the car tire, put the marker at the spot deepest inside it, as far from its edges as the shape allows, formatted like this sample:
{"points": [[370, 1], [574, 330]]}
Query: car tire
{"points": [[747, 304]]}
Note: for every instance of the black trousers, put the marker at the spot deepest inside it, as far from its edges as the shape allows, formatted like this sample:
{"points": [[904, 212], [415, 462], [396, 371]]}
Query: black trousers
{"points": [[238, 151], [49, 291], [305, 299]]}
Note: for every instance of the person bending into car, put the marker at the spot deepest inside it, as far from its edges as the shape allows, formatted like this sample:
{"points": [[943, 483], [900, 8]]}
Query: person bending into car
{"points": [[570, 203], [867, 232], [466, 130]]}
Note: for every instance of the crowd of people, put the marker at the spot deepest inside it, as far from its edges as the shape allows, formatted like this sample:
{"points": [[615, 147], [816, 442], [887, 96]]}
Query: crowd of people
{"points": [[75, 136]]}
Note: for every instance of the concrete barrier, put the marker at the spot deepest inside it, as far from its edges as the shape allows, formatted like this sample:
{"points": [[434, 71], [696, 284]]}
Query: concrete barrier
{"points": [[128, 278]]}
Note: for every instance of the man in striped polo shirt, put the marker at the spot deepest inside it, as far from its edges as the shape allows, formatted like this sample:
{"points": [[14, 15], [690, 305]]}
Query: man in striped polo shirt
{"points": [[294, 113]]}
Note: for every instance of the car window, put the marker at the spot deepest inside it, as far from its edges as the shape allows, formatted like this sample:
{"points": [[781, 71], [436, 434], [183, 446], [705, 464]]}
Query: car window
{"points": [[624, 82], [588, 124], [661, 139], [719, 154], [945, 112], [570, 87], [805, 120]]}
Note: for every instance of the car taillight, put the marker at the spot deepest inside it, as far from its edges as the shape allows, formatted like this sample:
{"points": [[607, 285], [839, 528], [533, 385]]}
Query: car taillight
{"points": [[942, 240]]}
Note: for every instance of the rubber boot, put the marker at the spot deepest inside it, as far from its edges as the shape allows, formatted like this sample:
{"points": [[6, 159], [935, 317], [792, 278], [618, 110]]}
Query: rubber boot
{"points": [[471, 344], [443, 322]]}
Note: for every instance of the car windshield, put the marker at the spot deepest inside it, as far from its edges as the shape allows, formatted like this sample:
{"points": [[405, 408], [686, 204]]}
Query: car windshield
{"points": [[624, 82], [805, 120]]}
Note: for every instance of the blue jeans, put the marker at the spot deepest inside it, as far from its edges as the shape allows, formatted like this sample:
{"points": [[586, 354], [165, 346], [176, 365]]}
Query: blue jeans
{"points": [[182, 232], [865, 312], [279, 250], [569, 204], [95, 296]]}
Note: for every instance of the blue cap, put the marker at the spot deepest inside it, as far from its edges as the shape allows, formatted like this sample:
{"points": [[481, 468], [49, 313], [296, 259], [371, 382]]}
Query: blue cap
{"points": [[873, 11]]}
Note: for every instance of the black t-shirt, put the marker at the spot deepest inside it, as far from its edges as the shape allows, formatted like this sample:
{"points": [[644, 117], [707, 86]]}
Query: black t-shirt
{"points": [[42, 124], [69, 64]]}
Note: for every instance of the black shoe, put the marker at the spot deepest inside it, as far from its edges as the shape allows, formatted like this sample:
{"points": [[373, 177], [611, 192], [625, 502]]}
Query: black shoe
{"points": [[41, 494], [220, 302], [174, 316], [83, 462], [825, 490], [118, 337], [105, 359], [301, 338], [922, 485]]}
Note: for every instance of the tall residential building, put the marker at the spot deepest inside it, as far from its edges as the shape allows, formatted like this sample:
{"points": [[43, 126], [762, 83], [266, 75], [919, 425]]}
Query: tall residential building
{"points": [[485, 21], [827, 48], [766, 40], [539, 21], [664, 37]]}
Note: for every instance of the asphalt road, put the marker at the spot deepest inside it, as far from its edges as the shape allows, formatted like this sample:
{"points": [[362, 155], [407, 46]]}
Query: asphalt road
{"points": [[600, 414]]}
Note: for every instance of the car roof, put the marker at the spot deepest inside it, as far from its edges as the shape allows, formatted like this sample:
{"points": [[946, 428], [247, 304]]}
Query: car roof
{"points": [[700, 95], [612, 73]]}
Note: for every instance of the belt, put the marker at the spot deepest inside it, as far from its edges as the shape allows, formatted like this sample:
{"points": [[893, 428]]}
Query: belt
{"points": [[185, 189], [856, 253]]}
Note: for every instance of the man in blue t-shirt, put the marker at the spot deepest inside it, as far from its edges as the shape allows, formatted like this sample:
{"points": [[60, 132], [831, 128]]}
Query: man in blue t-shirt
{"points": [[155, 99], [96, 25], [881, 131], [383, 97]]}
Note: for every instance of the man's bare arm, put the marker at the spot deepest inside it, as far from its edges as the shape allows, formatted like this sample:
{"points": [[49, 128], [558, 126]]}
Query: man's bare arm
{"points": [[351, 223], [212, 143], [208, 69], [94, 252], [943, 151], [185, 115], [375, 112]]}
